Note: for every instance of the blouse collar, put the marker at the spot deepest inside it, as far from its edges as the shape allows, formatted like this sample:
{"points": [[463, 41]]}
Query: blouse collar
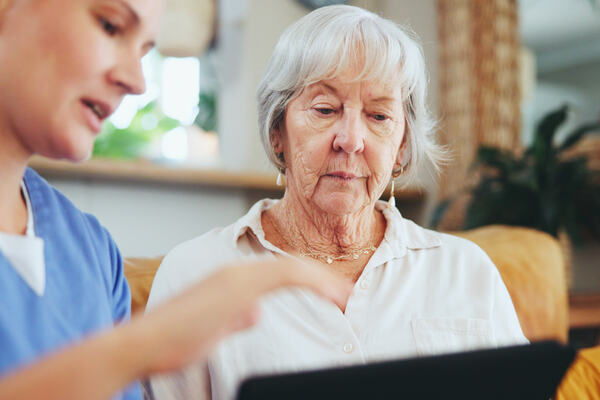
{"points": [[400, 235]]}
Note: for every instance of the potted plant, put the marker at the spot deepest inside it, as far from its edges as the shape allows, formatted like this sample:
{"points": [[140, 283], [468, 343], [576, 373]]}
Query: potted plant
{"points": [[542, 188], [148, 124]]}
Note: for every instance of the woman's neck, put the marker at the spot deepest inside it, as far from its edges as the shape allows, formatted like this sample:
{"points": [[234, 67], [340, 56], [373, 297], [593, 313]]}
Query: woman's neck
{"points": [[306, 229], [13, 162]]}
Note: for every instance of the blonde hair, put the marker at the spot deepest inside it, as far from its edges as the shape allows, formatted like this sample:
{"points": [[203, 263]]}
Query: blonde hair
{"points": [[335, 39]]}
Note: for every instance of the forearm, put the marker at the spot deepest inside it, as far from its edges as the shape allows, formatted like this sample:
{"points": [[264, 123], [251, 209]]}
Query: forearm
{"points": [[95, 368], [179, 332]]}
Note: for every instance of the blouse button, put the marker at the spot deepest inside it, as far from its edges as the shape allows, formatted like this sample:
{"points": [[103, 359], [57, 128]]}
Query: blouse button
{"points": [[348, 347], [364, 284]]}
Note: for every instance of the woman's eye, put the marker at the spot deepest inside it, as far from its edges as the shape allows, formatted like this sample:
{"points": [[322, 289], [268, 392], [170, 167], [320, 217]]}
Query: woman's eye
{"points": [[379, 117], [325, 111], [109, 27]]}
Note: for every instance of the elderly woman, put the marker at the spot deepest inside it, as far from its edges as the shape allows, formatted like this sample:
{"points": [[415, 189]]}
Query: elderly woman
{"points": [[342, 112]]}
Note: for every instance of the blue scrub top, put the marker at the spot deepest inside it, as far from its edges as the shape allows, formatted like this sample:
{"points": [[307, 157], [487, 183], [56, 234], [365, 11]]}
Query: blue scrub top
{"points": [[86, 289]]}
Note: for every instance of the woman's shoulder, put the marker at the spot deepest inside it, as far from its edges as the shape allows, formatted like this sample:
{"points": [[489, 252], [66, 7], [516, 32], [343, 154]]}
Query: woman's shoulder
{"points": [[55, 214], [43, 194], [197, 258], [201, 252], [193, 260], [457, 244], [446, 242], [449, 251]]}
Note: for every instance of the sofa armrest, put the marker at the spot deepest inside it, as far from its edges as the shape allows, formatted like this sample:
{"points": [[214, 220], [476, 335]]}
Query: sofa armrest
{"points": [[140, 275]]}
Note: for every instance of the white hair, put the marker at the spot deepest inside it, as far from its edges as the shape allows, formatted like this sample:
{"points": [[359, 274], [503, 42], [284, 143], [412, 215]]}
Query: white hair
{"points": [[336, 39]]}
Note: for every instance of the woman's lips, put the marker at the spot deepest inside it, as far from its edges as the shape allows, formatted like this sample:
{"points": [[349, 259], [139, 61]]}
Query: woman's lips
{"points": [[341, 175], [92, 119], [95, 112]]}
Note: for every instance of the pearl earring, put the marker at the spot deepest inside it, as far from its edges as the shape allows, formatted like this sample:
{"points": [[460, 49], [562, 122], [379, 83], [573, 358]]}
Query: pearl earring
{"points": [[279, 179], [392, 200]]}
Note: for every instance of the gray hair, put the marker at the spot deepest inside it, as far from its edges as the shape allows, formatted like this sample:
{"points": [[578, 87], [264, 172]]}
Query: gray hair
{"points": [[332, 40]]}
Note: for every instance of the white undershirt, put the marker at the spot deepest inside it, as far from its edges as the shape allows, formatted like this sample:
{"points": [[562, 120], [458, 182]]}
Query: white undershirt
{"points": [[26, 252]]}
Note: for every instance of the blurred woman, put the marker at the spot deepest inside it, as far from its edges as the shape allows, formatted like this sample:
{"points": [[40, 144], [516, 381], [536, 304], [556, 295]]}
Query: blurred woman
{"points": [[64, 68]]}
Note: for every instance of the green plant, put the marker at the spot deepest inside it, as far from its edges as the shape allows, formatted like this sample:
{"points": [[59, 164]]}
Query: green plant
{"points": [[542, 188], [148, 124], [207, 111]]}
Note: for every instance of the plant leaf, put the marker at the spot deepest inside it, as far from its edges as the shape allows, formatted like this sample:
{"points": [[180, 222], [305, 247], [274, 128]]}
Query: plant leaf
{"points": [[439, 212], [548, 126], [577, 134], [502, 160]]}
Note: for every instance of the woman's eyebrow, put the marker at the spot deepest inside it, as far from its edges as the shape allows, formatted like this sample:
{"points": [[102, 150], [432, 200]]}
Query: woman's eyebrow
{"points": [[134, 18], [382, 99], [321, 87]]}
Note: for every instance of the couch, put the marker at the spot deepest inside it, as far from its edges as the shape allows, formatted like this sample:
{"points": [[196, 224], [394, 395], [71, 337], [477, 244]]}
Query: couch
{"points": [[529, 261]]}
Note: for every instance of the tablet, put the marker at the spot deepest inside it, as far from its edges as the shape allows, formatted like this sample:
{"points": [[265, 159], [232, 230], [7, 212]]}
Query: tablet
{"points": [[531, 371]]}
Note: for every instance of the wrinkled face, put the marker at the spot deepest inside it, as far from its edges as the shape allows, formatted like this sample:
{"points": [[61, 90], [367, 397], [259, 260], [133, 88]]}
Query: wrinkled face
{"points": [[66, 65], [340, 142]]}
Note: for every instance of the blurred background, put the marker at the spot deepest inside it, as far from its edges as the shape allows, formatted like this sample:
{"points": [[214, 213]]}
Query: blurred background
{"points": [[185, 157]]}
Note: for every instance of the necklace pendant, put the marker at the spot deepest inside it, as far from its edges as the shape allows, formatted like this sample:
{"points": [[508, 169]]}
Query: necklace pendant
{"points": [[355, 256], [329, 260]]}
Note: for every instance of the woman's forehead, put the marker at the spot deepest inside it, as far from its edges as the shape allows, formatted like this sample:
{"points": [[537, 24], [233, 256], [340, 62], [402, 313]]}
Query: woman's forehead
{"points": [[373, 89], [148, 11]]}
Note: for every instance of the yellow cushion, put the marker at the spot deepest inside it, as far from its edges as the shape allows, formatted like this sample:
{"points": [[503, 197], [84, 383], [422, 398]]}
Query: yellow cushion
{"points": [[532, 267], [140, 275], [582, 381]]}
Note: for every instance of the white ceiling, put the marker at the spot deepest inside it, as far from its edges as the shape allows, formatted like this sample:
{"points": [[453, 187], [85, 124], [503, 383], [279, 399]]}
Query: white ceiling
{"points": [[562, 33]]}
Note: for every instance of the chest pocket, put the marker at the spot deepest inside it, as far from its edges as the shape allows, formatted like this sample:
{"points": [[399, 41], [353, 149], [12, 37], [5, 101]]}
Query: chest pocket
{"points": [[448, 335]]}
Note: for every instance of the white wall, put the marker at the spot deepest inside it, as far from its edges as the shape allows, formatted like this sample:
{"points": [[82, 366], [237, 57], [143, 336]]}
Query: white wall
{"points": [[249, 31], [421, 17], [148, 220]]}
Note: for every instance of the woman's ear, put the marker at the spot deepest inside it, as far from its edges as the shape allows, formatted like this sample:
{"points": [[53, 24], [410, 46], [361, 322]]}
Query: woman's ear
{"points": [[401, 157], [276, 141]]}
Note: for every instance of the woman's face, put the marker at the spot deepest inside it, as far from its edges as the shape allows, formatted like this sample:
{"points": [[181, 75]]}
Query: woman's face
{"points": [[340, 142], [66, 65]]}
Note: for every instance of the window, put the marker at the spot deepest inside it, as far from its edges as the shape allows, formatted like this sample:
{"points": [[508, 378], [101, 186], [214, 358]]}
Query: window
{"points": [[173, 121]]}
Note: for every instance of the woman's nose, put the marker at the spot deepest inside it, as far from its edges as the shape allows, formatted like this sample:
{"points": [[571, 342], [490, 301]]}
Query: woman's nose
{"points": [[128, 74], [351, 133]]}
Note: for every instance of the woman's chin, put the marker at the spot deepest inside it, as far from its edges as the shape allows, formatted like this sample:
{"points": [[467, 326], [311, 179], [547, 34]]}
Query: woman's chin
{"points": [[339, 204], [74, 152]]}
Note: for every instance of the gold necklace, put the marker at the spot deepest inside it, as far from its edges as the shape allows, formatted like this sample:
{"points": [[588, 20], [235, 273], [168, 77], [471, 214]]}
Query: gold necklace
{"points": [[330, 259], [325, 257]]}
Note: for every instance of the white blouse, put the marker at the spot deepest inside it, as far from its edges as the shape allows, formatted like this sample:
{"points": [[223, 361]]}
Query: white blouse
{"points": [[421, 293]]}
